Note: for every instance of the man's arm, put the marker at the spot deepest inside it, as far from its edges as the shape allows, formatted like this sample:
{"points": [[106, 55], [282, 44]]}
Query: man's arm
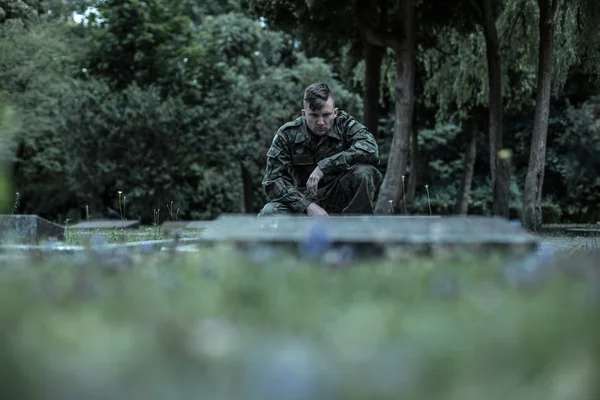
{"points": [[363, 150], [278, 177]]}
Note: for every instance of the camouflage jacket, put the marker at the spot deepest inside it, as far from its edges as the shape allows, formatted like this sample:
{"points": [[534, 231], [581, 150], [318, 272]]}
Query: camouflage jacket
{"points": [[295, 152]]}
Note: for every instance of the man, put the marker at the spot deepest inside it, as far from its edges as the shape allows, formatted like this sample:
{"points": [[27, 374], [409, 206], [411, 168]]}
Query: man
{"points": [[322, 163]]}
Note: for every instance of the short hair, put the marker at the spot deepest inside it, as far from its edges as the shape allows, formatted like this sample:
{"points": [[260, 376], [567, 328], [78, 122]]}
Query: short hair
{"points": [[316, 95]]}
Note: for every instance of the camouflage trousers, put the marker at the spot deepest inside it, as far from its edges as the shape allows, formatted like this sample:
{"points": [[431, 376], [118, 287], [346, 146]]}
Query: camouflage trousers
{"points": [[352, 192]]}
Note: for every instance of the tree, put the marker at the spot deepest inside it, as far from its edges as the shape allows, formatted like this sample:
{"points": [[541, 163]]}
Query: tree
{"points": [[548, 23], [21, 9], [198, 10], [404, 45], [532, 211], [462, 199], [499, 169], [142, 42], [329, 29], [38, 63], [506, 88]]}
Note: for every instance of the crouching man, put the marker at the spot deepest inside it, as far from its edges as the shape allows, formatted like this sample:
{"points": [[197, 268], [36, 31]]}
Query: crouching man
{"points": [[322, 163]]}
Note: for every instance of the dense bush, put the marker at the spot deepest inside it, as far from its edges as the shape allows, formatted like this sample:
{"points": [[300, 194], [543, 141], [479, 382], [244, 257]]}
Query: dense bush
{"points": [[578, 150], [131, 141], [36, 65]]}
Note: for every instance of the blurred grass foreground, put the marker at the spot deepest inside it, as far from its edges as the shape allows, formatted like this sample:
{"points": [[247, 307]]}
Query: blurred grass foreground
{"points": [[220, 324]]}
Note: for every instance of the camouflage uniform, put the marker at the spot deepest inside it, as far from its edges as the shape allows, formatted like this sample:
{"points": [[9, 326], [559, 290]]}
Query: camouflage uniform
{"points": [[347, 155]]}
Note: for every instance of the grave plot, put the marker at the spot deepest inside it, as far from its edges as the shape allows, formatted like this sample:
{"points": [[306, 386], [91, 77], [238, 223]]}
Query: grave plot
{"points": [[375, 235]]}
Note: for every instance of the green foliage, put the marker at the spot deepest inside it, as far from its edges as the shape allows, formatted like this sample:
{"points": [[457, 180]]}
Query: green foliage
{"points": [[583, 19], [579, 140], [456, 80], [325, 29], [32, 12], [198, 11], [149, 147], [21, 9], [137, 138], [220, 192], [37, 64], [141, 42], [455, 67]]}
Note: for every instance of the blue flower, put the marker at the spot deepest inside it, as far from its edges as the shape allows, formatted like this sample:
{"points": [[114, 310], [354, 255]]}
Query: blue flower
{"points": [[316, 243], [146, 247], [97, 241]]}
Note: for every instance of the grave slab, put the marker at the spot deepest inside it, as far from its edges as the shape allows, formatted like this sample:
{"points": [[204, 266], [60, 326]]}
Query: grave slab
{"points": [[175, 224], [199, 224], [28, 229], [376, 235], [106, 224]]}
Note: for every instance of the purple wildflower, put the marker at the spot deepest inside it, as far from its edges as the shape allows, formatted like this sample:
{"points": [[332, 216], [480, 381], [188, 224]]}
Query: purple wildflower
{"points": [[316, 243]]}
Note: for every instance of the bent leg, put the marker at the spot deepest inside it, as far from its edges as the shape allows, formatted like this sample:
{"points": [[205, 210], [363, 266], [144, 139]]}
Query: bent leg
{"points": [[353, 192], [275, 208]]}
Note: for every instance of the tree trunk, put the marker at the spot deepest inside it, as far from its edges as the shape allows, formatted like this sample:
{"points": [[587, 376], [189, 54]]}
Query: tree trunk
{"points": [[462, 200], [498, 167], [248, 189], [532, 196], [373, 58], [391, 187], [415, 160]]}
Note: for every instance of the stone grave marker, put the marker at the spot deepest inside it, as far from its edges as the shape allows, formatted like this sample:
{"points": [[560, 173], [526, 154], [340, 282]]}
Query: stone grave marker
{"points": [[28, 229], [107, 224], [376, 235]]}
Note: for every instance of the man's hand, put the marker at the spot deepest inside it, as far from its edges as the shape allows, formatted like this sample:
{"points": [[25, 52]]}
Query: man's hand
{"points": [[315, 210], [313, 181]]}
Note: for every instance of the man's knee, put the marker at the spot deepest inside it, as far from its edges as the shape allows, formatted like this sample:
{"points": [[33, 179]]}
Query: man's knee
{"points": [[274, 208], [365, 172]]}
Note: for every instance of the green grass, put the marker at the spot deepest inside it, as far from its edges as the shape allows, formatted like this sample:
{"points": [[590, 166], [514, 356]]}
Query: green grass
{"points": [[214, 325], [111, 236]]}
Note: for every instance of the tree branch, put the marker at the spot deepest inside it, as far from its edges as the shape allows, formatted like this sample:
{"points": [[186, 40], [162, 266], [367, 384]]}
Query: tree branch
{"points": [[520, 16], [428, 41], [376, 37], [554, 11]]}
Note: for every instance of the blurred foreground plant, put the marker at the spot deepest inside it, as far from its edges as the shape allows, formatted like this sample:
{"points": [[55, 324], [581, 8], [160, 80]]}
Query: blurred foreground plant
{"points": [[153, 326]]}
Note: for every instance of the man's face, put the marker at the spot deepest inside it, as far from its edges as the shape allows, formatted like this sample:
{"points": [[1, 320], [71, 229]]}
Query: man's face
{"points": [[320, 121]]}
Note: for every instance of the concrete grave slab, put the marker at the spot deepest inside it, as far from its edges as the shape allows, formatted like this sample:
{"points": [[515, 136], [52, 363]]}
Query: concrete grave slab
{"points": [[376, 235], [28, 229], [106, 224], [199, 224], [174, 224]]}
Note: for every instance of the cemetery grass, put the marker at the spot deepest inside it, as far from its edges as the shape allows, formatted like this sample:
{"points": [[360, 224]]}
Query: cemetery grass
{"points": [[115, 236], [222, 324]]}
